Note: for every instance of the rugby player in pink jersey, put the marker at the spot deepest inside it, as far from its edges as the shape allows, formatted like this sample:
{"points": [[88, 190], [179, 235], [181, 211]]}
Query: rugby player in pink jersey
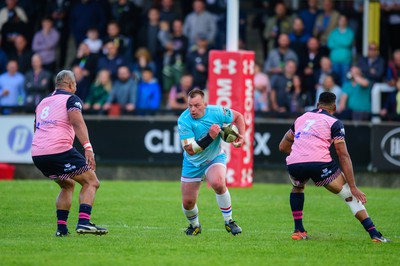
{"points": [[307, 145], [58, 118]]}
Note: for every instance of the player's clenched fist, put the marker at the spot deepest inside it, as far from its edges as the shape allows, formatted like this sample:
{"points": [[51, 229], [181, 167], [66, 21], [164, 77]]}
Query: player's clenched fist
{"points": [[214, 130]]}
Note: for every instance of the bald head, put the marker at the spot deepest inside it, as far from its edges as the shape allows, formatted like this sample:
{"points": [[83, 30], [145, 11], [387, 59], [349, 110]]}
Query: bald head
{"points": [[65, 79]]}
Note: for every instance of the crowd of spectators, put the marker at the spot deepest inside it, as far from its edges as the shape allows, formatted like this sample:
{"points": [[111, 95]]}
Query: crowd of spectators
{"points": [[319, 48], [137, 57]]}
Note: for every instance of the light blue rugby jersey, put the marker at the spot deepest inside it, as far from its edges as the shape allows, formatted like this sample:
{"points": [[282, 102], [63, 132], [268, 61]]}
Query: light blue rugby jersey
{"points": [[198, 128]]}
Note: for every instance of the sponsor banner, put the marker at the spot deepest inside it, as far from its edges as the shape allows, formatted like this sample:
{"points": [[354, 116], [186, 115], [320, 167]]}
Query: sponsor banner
{"points": [[386, 147], [16, 139], [231, 85], [135, 141]]}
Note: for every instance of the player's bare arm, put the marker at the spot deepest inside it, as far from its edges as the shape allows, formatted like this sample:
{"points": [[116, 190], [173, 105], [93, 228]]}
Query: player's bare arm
{"points": [[76, 119], [238, 120], [286, 143], [347, 168]]}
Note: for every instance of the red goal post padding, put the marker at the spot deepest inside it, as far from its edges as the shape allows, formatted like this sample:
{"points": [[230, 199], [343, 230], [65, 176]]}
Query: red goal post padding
{"points": [[230, 77]]}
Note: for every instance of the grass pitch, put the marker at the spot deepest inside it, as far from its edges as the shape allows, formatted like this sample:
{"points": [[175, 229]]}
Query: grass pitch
{"points": [[146, 227]]}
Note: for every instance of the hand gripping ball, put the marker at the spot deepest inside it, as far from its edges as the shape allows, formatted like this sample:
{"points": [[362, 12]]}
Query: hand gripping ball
{"points": [[229, 133]]}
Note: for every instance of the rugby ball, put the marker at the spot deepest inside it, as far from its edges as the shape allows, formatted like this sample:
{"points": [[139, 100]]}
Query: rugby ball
{"points": [[229, 133]]}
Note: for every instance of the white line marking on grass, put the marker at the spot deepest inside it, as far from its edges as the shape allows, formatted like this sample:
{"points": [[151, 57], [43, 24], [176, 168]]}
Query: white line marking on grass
{"points": [[146, 227]]}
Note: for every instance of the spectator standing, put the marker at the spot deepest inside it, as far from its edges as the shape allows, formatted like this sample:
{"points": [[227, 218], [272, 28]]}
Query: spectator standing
{"points": [[310, 65], [10, 30], [356, 97], [22, 54], [200, 22], [175, 47], [148, 35], [12, 9], [38, 83], [149, 92], [329, 85], [121, 42], [296, 99], [3, 61], [178, 94], [393, 70], [128, 17], [325, 23], [180, 42], [276, 59], [262, 89], [391, 107], [86, 14], [45, 44], [93, 41], [82, 83], [280, 23], [325, 70], [309, 16], [281, 85], [263, 10], [373, 65], [142, 60], [390, 13], [99, 91], [197, 63], [12, 91], [60, 11], [340, 43], [167, 11], [86, 61], [176, 38], [111, 60], [123, 93], [298, 37]]}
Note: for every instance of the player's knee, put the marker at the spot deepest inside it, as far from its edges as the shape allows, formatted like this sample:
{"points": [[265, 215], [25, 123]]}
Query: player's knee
{"points": [[188, 204], [297, 189], [345, 193], [71, 185], [354, 204], [218, 186], [67, 184], [92, 180], [95, 183]]}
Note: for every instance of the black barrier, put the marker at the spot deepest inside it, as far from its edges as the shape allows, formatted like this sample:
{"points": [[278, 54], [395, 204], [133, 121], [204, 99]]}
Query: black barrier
{"points": [[156, 141], [386, 147]]}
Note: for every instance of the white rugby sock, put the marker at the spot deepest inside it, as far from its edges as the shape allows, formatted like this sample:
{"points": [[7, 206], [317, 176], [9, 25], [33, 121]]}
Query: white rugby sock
{"points": [[224, 203], [192, 215]]}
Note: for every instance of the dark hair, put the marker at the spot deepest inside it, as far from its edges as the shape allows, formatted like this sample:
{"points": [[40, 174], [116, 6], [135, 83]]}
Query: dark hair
{"points": [[193, 93], [49, 18], [147, 68], [327, 98]]}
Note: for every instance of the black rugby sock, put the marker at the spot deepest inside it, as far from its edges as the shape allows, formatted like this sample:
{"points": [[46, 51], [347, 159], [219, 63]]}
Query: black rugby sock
{"points": [[62, 217], [296, 204]]}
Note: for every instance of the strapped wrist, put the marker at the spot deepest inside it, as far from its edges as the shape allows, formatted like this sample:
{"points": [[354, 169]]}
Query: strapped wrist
{"points": [[87, 146], [205, 141]]}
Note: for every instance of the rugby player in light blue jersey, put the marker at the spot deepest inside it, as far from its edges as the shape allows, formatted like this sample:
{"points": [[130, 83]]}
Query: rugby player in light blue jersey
{"points": [[199, 127]]}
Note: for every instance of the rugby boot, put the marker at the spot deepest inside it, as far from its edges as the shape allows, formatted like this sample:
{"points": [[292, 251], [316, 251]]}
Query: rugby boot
{"points": [[193, 231], [297, 235], [232, 227], [380, 239], [62, 234], [90, 228]]}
